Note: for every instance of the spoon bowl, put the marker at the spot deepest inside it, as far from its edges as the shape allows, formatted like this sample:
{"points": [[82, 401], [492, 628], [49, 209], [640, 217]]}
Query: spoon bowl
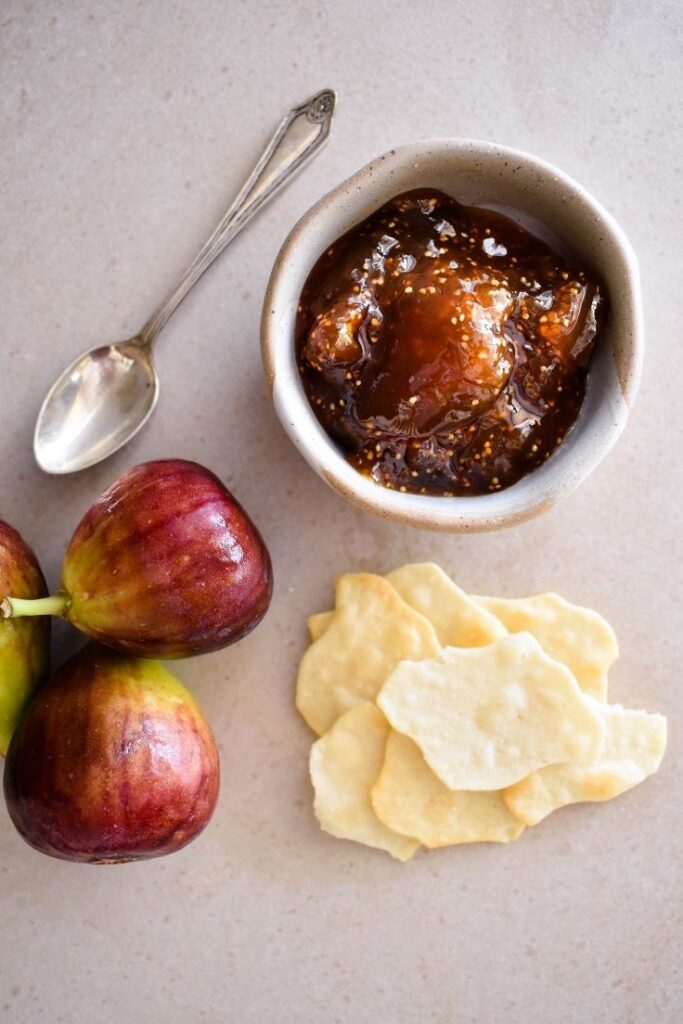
{"points": [[100, 401]]}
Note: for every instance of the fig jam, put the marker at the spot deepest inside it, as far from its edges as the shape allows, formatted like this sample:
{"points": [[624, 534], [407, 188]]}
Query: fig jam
{"points": [[444, 347]]}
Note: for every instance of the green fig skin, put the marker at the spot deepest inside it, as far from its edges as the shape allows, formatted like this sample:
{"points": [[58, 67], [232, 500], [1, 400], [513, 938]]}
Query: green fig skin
{"points": [[112, 762], [24, 643], [166, 564]]}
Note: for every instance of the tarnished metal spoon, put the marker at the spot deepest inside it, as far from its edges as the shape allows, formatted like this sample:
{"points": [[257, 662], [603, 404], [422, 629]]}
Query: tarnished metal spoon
{"points": [[109, 393]]}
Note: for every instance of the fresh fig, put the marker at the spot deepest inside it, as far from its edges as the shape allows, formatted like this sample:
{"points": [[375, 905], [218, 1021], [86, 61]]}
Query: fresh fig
{"points": [[24, 643], [112, 762], [165, 564]]}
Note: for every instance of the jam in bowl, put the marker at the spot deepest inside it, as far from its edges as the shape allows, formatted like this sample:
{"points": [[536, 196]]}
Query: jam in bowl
{"points": [[444, 363], [443, 347]]}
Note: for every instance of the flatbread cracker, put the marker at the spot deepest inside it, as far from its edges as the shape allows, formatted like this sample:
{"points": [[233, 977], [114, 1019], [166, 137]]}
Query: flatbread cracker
{"points": [[578, 637], [459, 621], [371, 631], [410, 799], [344, 764], [635, 742], [318, 623], [485, 717]]}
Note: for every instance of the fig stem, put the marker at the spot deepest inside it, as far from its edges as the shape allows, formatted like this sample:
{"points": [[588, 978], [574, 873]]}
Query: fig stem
{"points": [[20, 607]]}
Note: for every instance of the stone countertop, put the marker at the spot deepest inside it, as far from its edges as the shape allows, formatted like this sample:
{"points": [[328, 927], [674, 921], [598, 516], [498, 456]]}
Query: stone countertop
{"points": [[125, 131]]}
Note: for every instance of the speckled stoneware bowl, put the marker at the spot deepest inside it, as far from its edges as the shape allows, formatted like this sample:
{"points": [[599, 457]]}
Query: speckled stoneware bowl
{"points": [[547, 202]]}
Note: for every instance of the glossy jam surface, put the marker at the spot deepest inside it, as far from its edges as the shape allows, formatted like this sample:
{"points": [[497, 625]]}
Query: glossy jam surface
{"points": [[445, 348]]}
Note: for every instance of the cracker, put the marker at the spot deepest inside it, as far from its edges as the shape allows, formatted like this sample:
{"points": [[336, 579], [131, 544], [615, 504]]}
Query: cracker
{"points": [[410, 799], [635, 742], [318, 623], [486, 717], [459, 621], [578, 637], [372, 629], [344, 764]]}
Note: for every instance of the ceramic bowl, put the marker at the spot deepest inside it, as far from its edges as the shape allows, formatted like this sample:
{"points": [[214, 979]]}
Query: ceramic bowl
{"points": [[546, 201]]}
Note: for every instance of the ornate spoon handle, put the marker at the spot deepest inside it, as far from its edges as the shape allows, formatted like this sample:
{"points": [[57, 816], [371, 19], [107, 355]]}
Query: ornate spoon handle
{"points": [[300, 135]]}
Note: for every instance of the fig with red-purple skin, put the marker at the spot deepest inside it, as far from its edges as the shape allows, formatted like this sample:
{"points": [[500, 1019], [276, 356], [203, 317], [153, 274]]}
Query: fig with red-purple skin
{"points": [[24, 643], [112, 762], [165, 564]]}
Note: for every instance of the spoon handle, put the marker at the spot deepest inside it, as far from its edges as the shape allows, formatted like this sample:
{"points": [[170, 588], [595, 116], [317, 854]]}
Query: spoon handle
{"points": [[300, 135]]}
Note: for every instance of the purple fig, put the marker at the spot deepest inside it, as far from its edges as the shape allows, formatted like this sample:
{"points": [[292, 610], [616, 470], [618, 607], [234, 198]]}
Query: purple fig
{"points": [[24, 643], [112, 762], [165, 564]]}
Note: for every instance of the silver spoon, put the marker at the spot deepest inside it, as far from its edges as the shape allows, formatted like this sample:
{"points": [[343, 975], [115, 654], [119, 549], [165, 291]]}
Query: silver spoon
{"points": [[106, 395]]}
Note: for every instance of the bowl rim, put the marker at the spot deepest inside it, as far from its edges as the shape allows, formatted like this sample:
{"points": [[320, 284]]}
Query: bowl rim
{"points": [[459, 513]]}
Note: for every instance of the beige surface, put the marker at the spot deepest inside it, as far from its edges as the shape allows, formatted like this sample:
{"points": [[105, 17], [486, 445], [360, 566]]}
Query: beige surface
{"points": [[122, 138]]}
